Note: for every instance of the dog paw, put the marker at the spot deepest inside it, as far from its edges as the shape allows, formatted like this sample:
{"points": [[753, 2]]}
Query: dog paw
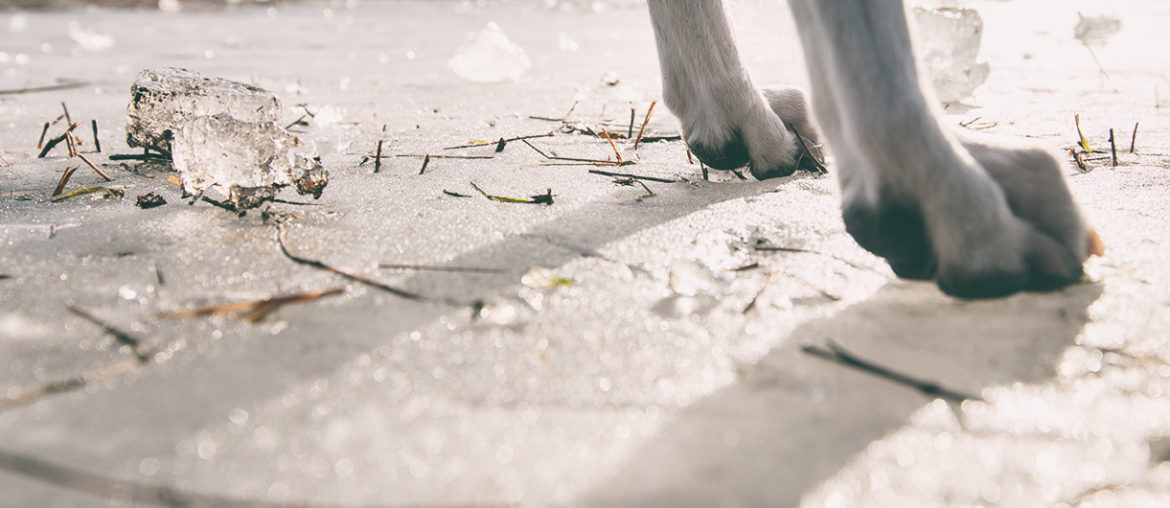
{"points": [[754, 130], [1035, 241]]}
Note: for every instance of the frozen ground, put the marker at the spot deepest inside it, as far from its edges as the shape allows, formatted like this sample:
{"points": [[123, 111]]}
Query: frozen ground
{"points": [[646, 380]]}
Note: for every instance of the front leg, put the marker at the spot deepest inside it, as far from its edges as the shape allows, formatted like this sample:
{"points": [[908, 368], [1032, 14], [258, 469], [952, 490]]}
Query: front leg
{"points": [[726, 121], [983, 221]]}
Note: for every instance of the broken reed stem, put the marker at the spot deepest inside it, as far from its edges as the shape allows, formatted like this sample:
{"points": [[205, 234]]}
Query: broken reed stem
{"points": [[1113, 147], [68, 385], [649, 193], [296, 122], [70, 144], [796, 250], [378, 157], [646, 121], [93, 167], [255, 310], [1080, 160], [426, 160], [612, 145], [571, 109], [479, 190], [630, 130], [49, 88], [378, 152], [1084, 142], [630, 175], [69, 170], [838, 354], [752, 304], [539, 151], [572, 159], [111, 190], [41, 142], [690, 158], [64, 108], [441, 268], [97, 145], [354, 277], [440, 156], [138, 157], [505, 140], [593, 162], [56, 140], [818, 289], [817, 164], [141, 352], [1133, 139], [537, 199]]}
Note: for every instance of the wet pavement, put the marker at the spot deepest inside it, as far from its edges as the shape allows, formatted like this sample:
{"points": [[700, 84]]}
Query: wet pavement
{"points": [[624, 345]]}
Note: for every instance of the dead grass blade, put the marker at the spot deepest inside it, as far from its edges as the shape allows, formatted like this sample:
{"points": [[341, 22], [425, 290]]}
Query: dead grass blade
{"points": [[254, 310]]}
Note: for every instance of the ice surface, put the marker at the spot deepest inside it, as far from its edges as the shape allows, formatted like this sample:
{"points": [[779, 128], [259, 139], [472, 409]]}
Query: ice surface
{"points": [[948, 46], [415, 402], [490, 57], [221, 133], [162, 100]]}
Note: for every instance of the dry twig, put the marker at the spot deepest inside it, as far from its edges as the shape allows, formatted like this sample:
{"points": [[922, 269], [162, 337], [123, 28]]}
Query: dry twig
{"points": [[68, 173], [141, 352], [838, 354], [280, 242], [255, 310], [645, 121]]}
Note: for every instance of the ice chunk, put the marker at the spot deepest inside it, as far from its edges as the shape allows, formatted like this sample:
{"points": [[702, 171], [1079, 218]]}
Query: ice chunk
{"points": [[221, 133], [490, 57], [248, 159], [567, 43], [691, 278], [1096, 29], [18, 23], [162, 100], [948, 40], [89, 40]]}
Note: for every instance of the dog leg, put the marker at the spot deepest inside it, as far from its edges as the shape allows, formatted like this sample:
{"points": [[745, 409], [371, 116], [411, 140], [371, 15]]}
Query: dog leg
{"points": [[726, 122], [982, 220]]}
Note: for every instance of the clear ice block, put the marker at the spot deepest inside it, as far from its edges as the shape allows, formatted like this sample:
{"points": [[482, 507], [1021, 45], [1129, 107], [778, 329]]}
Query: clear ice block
{"points": [[162, 100], [222, 134], [1096, 29], [948, 40], [242, 157]]}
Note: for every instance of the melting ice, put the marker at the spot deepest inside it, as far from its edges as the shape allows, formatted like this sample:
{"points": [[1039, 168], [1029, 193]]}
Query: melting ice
{"points": [[948, 40], [220, 133]]}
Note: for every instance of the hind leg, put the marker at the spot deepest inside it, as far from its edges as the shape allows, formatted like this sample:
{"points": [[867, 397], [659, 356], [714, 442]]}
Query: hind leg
{"points": [[726, 121]]}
